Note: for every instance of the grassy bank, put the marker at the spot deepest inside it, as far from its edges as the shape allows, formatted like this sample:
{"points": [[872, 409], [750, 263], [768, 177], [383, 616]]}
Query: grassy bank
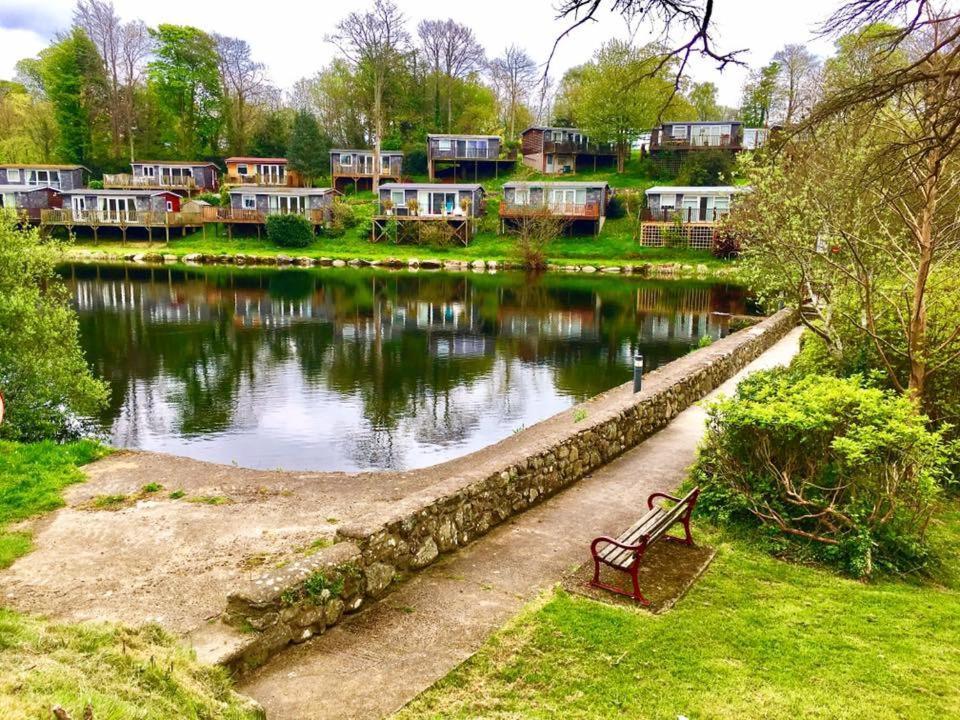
{"points": [[755, 638], [123, 673]]}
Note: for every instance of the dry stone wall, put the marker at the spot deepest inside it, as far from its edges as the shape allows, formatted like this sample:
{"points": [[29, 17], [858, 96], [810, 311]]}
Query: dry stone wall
{"points": [[294, 603]]}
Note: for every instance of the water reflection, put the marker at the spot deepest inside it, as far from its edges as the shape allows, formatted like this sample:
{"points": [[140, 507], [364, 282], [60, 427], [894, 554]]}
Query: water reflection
{"points": [[356, 369]]}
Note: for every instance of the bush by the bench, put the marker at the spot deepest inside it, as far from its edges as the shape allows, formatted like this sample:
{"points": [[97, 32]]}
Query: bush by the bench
{"points": [[293, 231], [830, 467]]}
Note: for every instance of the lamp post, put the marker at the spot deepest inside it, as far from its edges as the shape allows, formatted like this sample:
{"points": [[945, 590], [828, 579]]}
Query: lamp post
{"points": [[637, 372]]}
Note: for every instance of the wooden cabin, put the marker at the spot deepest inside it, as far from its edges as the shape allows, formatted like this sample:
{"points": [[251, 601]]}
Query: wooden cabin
{"points": [[465, 157], [131, 208], [167, 175], [558, 150], [404, 207], [252, 205], [261, 171], [686, 215], [29, 200], [578, 203], [58, 177], [357, 166]]}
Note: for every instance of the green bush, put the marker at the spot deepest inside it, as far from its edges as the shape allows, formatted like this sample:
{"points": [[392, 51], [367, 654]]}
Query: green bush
{"points": [[414, 161], [707, 167], [96, 184], [292, 231], [833, 469], [209, 197], [616, 208]]}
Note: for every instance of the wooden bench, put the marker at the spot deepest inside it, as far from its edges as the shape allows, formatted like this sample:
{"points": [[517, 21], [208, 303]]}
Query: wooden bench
{"points": [[624, 552]]}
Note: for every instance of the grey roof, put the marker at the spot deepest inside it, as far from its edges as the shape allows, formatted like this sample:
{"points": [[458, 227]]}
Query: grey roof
{"points": [[457, 135], [25, 188], [431, 186], [557, 184], [277, 190], [176, 163], [365, 150], [44, 166], [695, 190], [554, 127], [125, 193]]}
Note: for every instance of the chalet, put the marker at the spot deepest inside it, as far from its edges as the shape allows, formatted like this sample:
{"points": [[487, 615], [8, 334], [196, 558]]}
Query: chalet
{"points": [[167, 175], [252, 205], [574, 202], [29, 200], [456, 155], [133, 207], [556, 150], [412, 204], [687, 215], [58, 177], [261, 171], [357, 166], [672, 141]]}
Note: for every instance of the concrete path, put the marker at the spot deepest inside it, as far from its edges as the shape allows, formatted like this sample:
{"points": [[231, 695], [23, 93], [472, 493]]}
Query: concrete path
{"points": [[373, 663]]}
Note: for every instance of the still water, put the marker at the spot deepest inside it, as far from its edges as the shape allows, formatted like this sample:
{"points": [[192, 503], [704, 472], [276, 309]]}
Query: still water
{"points": [[342, 369]]}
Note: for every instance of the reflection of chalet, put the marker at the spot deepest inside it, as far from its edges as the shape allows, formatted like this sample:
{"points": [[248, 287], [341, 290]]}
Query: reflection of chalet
{"points": [[357, 166], [573, 324], [556, 150], [573, 202], [466, 157], [403, 208], [686, 216], [184, 176]]}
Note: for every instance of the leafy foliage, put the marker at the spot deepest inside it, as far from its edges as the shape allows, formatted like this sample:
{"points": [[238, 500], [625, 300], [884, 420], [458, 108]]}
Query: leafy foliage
{"points": [[850, 472], [308, 153], [43, 374], [707, 167], [289, 230]]}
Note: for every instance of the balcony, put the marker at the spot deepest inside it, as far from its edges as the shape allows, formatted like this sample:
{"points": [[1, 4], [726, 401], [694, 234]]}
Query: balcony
{"points": [[362, 170], [577, 148], [136, 218], [126, 180], [696, 141], [573, 211], [469, 153], [212, 214], [685, 215], [257, 179]]}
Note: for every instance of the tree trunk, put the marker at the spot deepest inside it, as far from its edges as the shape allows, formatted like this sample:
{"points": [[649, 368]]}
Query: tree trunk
{"points": [[377, 129], [918, 317]]}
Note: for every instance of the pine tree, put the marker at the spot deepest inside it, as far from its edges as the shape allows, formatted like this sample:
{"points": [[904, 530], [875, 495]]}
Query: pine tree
{"points": [[309, 149]]}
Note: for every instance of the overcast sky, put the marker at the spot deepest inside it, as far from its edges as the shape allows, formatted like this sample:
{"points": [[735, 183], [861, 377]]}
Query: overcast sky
{"points": [[288, 35]]}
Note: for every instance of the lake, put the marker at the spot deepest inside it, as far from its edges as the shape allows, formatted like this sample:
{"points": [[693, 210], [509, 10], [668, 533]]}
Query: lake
{"points": [[360, 369]]}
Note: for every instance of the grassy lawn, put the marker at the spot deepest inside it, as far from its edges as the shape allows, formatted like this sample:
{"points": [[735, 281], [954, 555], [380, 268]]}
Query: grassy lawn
{"points": [[124, 673], [755, 638], [614, 246]]}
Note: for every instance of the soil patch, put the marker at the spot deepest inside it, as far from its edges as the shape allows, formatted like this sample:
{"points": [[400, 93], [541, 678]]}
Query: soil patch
{"points": [[667, 571]]}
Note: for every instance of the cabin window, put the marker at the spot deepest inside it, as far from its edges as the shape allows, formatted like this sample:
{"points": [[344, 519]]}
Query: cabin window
{"points": [[242, 170], [346, 159], [13, 175], [396, 197], [169, 205], [476, 148], [721, 205], [287, 203], [248, 202], [445, 145], [668, 201], [442, 202], [557, 135], [79, 203], [678, 131]]}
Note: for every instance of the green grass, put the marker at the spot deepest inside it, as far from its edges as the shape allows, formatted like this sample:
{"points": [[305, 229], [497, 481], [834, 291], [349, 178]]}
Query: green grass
{"points": [[32, 477], [755, 638], [123, 673], [614, 245]]}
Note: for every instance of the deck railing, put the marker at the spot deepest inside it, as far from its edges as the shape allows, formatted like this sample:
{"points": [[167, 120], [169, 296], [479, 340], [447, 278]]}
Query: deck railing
{"points": [[569, 147], [256, 179], [490, 153], [362, 170], [139, 218], [661, 141], [590, 211], [685, 215], [126, 180], [259, 217]]}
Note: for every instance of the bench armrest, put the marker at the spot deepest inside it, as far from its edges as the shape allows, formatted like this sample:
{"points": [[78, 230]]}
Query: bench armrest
{"points": [[610, 541], [654, 496]]}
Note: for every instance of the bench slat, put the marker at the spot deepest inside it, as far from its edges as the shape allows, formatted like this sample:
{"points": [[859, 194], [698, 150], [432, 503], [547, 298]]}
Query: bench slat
{"points": [[655, 523]]}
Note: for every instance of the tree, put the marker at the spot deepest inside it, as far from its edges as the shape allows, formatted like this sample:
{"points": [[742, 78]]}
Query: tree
{"points": [[28, 132], [244, 84], [43, 375], [796, 81], [308, 152], [186, 74], [334, 95], [453, 52], [73, 82], [271, 135], [759, 94], [612, 105], [514, 76], [375, 42], [703, 97]]}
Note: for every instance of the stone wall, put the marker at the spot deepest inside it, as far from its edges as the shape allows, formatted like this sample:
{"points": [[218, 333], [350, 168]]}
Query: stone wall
{"points": [[483, 489]]}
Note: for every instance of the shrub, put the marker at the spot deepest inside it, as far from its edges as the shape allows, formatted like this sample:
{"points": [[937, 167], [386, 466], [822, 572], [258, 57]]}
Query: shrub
{"points": [[616, 208], [96, 184], [209, 197], [343, 214], [707, 167], [832, 468], [292, 231], [415, 161]]}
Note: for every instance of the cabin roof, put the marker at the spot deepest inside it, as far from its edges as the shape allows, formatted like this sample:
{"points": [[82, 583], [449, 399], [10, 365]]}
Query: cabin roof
{"points": [[556, 184], [178, 163], [44, 166], [553, 127], [272, 190], [365, 150], [695, 190], [431, 186], [245, 159], [9, 188], [124, 193], [466, 137], [701, 122]]}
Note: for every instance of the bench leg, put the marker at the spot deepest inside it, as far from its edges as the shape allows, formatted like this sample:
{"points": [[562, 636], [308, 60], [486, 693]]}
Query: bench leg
{"points": [[637, 595]]}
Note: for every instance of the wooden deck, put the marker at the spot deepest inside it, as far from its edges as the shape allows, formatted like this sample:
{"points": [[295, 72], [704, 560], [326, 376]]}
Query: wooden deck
{"points": [[96, 219], [569, 211], [237, 216], [123, 181]]}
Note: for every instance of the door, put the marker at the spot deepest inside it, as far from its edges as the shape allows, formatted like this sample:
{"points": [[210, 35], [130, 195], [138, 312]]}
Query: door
{"points": [[117, 209], [563, 200], [703, 209], [442, 202], [78, 204]]}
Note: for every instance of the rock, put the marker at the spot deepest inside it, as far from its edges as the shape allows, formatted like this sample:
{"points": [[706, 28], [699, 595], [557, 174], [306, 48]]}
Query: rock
{"points": [[338, 263], [355, 262], [284, 260], [702, 269], [324, 261], [379, 576], [588, 269], [169, 258], [193, 258], [478, 265], [304, 261], [570, 268], [262, 622], [430, 264], [425, 555], [138, 258], [332, 611], [611, 269], [413, 262], [492, 264]]}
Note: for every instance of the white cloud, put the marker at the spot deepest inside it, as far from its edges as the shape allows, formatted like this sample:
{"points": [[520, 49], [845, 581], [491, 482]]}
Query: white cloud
{"points": [[289, 36]]}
